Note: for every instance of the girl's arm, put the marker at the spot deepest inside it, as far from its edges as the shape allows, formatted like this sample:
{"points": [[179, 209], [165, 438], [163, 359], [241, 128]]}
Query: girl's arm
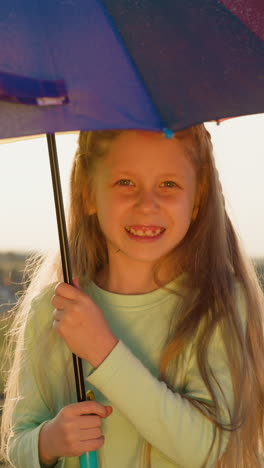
{"points": [[39, 437], [167, 420], [31, 412]]}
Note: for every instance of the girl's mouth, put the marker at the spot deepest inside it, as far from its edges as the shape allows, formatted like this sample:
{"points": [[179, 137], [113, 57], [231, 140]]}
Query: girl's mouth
{"points": [[145, 231]]}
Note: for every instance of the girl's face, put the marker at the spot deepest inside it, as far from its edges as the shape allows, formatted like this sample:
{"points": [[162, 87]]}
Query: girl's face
{"points": [[144, 191]]}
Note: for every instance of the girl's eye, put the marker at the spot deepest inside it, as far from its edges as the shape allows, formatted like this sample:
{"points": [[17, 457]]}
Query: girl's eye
{"points": [[168, 183], [125, 182]]}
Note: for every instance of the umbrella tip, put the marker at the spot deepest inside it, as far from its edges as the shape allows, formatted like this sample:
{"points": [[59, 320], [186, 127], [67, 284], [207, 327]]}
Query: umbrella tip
{"points": [[168, 133]]}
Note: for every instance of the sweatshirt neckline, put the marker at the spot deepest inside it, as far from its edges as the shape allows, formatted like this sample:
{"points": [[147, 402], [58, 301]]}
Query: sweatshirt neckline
{"points": [[135, 300]]}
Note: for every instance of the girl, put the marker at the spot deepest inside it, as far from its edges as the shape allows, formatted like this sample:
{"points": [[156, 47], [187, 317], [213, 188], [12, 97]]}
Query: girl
{"points": [[166, 314]]}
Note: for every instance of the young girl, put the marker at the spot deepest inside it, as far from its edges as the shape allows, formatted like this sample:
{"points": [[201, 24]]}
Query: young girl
{"points": [[165, 313]]}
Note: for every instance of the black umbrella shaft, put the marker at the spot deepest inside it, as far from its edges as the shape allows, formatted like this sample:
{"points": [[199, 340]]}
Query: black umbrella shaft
{"points": [[64, 248], [62, 232]]}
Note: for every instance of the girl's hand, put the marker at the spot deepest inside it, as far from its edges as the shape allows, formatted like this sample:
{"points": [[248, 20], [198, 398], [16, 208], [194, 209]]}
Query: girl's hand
{"points": [[81, 324], [75, 430]]}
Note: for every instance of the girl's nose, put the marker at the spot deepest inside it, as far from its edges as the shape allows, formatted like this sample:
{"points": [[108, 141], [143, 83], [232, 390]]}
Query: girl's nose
{"points": [[147, 201]]}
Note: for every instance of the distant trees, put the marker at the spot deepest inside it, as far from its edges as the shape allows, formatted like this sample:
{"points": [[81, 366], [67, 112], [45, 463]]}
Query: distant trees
{"points": [[11, 274]]}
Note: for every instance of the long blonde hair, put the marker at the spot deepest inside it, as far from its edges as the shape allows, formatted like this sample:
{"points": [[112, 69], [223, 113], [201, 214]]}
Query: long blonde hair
{"points": [[212, 258]]}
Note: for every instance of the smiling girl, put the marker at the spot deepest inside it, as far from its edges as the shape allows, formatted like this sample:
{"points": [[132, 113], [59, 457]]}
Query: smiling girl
{"points": [[166, 314]]}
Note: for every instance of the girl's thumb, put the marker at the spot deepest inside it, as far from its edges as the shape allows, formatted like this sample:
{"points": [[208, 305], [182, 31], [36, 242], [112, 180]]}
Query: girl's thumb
{"points": [[75, 282], [109, 410]]}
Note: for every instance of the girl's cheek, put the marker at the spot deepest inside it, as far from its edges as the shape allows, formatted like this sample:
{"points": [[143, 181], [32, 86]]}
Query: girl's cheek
{"points": [[120, 200]]}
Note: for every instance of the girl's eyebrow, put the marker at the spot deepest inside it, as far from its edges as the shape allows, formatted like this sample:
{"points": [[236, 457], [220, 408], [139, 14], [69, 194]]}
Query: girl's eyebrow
{"points": [[172, 174], [129, 173]]}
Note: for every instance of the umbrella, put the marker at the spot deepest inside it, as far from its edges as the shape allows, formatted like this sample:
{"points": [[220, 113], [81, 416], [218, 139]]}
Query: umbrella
{"points": [[146, 64], [88, 64]]}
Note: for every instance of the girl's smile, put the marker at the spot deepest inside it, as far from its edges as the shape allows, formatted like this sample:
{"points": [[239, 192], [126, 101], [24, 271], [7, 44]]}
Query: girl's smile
{"points": [[147, 233]]}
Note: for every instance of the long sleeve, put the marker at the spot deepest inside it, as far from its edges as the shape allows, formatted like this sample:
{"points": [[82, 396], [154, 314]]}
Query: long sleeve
{"points": [[31, 410], [170, 422]]}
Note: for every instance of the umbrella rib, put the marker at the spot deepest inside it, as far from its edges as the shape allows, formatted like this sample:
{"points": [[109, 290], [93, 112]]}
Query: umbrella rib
{"points": [[131, 60]]}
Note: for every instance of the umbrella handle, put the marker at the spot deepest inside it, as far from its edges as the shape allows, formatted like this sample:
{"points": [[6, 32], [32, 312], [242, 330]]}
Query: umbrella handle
{"points": [[89, 460]]}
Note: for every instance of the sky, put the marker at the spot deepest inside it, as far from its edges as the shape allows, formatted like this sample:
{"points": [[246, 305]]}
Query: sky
{"points": [[27, 214]]}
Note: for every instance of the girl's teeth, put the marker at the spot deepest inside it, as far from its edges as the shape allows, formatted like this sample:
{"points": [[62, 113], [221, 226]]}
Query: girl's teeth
{"points": [[148, 232]]}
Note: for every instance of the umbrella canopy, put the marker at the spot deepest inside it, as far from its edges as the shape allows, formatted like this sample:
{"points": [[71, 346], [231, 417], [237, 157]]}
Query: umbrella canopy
{"points": [[86, 64]]}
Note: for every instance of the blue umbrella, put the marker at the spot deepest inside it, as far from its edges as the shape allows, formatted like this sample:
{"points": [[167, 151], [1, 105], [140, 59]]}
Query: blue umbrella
{"points": [[140, 64], [86, 64]]}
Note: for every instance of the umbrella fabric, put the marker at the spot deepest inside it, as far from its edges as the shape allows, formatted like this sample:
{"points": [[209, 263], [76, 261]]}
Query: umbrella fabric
{"points": [[250, 13], [86, 64]]}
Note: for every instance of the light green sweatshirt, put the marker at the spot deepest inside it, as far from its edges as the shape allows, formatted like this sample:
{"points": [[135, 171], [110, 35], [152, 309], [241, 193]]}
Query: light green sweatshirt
{"points": [[143, 407]]}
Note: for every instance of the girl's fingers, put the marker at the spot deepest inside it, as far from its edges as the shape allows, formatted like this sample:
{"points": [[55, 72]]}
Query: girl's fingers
{"points": [[109, 410], [92, 420], [76, 283], [59, 302], [89, 422], [76, 429], [95, 409], [90, 445], [87, 408], [67, 291], [90, 434], [57, 315]]}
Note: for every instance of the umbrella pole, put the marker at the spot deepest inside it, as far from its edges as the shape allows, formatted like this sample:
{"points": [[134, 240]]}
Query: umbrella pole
{"points": [[87, 460], [64, 248]]}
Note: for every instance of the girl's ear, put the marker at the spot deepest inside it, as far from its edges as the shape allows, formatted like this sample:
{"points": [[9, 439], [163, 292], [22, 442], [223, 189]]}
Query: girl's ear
{"points": [[91, 211], [195, 212], [90, 207], [197, 202], [88, 204]]}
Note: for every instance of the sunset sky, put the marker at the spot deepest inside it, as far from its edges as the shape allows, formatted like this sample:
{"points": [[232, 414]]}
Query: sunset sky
{"points": [[26, 208]]}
